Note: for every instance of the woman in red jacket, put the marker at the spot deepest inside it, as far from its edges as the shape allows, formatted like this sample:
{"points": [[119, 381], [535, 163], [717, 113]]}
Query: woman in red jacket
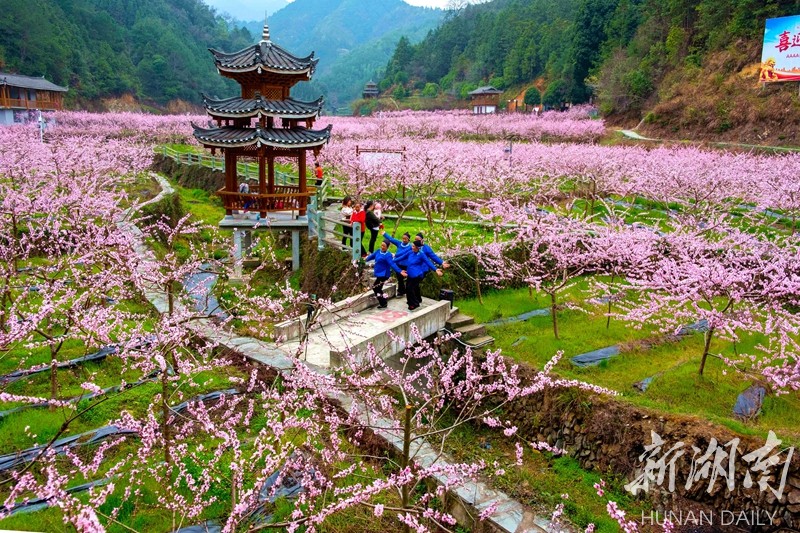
{"points": [[359, 215]]}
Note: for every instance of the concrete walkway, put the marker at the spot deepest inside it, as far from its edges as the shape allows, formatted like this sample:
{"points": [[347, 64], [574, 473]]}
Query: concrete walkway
{"points": [[633, 135], [385, 329], [472, 497]]}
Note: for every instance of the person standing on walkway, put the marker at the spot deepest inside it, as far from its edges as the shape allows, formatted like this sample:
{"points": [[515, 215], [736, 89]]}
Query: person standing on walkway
{"points": [[384, 264], [360, 216], [428, 251], [347, 228], [418, 265], [318, 173], [373, 223], [403, 249]]}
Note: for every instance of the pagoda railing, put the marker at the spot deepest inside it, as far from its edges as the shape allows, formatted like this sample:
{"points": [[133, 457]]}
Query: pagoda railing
{"points": [[285, 198]]}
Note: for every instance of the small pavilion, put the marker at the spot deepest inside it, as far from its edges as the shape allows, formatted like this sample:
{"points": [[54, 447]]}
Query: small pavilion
{"points": [[262, 124], [370, 90]]}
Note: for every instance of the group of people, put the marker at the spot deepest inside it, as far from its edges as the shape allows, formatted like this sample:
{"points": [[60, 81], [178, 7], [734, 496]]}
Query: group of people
{"points": [[411, 261], [369, 215]]}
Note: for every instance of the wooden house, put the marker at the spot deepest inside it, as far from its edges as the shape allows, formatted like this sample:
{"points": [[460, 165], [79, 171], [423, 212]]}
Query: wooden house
{"points": [[21, 97], [485, 100]]}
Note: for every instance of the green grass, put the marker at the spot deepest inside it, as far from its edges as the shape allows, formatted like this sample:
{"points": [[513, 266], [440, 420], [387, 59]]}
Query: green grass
{"points": [[204, 206], [677, 387], [543, 478]]}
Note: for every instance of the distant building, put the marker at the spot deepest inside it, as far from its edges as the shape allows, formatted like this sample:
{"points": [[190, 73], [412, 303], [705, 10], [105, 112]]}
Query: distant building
{"points": [[370, 90], [484, 100], [21, 96]]}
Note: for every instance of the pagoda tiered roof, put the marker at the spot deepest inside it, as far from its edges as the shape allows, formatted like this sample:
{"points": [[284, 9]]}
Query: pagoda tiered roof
{"points": [[237, 107], [231, 137], [265, 56]]}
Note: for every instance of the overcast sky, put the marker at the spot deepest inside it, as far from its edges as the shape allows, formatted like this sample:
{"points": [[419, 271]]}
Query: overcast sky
{"points": [[254, 9]]}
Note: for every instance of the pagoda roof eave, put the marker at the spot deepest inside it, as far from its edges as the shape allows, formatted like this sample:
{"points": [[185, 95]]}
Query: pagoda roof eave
{"points": [[238, 107], [264, 56], [232, 137]]}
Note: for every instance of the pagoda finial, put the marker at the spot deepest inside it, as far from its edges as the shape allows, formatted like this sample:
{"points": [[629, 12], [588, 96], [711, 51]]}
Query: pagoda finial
{"points": [[265, 32]]}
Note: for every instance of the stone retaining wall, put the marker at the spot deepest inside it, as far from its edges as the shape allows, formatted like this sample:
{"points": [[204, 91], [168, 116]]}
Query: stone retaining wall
{"points": [[608, 435]]}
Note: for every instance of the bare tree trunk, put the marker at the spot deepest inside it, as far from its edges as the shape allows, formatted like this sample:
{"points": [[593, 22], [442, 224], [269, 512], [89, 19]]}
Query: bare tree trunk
{"points": [[706, 346], [553, 313], [4, 301], [165, 412], [478, 281], [15, 238], [53, 374], [404, 461]]}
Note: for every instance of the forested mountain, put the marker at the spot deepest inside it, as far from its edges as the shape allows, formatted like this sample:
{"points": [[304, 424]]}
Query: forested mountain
{"points": [[156, 50], [689, 62], [353, 39]]}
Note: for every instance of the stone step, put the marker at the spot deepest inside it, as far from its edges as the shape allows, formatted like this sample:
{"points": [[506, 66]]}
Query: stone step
{"points": [[471, 331], [482, 341], [458, 321]]}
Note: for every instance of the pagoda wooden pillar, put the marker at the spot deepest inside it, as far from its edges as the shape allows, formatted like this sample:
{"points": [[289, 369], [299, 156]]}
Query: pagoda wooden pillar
{"points": [[271, 174], [230, 176], [301, 167], [262, 180]]}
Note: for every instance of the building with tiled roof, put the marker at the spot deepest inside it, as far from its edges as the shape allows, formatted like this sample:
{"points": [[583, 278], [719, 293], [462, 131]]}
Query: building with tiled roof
{"points": [[370, 90], [264, 123], [485, 100], [21, 97]]}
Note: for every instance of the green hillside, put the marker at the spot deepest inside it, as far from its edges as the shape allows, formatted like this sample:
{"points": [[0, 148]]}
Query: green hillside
{"points": [[156, 50], [683, 65], [353, 39]]}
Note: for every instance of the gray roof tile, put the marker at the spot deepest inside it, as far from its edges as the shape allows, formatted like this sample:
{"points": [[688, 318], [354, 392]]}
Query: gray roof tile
{"points": [[29, 82], [265, 55], [250, 107], [276, 137]]}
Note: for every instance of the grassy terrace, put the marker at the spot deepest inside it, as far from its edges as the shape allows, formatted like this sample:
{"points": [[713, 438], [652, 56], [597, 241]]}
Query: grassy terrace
{"points": [[677, 387]]}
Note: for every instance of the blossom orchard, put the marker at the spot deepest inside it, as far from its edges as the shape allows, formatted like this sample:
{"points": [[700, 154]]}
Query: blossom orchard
{"points": [[734, 282], [87, 269]]}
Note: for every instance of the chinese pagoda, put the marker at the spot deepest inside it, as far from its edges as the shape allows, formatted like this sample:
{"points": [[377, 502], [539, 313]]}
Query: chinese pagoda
{"points": [[370, 90], [264, 123]]}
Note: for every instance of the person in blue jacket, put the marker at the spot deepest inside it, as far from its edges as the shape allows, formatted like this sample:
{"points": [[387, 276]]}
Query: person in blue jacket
{"points": [[427, 250], [418, 264], [403, 249], [384, 264]]}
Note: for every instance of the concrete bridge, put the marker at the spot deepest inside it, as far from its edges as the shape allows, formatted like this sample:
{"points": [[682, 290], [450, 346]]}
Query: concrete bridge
{"points": [[355, 323]]}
